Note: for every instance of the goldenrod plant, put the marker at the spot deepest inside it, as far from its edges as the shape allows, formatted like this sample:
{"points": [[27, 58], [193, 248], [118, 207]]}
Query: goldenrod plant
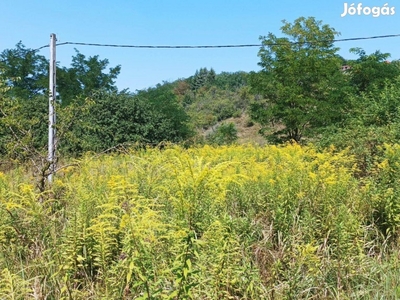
{"points": [[226, 222]]}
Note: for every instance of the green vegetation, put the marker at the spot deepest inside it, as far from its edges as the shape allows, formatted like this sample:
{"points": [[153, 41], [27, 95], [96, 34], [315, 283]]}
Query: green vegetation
{"points": [[155, 198], [301, 79], [240, 222], [225, 134]]}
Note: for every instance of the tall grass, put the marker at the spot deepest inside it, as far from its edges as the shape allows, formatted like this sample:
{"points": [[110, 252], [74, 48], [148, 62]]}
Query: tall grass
{"points": [[237, 222]]}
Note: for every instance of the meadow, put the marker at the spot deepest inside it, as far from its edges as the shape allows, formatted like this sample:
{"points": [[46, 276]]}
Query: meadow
{"points": [[227, 222]]}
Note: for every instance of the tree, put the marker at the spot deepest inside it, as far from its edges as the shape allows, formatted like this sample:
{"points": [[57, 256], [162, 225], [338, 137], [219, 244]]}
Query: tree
{"points": [[85, 76], [25, 71], [370, 70], [225, 134], [113, 119], [232, 81], [170, 119], [380, 106], [24, 131], [202, 78], [300, 80]]}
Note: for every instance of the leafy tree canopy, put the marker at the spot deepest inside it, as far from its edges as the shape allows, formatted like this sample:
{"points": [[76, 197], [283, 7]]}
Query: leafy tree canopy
{"points": [[27, 73], [85, 76], [300, 79], [370, 70], [114, 119]]}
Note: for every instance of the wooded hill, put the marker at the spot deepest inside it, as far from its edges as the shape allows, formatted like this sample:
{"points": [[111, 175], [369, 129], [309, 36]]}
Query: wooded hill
{"points": [[305, 92]]}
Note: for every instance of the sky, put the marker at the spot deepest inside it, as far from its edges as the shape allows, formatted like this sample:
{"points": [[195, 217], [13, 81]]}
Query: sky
{"points": [[189, 22]]}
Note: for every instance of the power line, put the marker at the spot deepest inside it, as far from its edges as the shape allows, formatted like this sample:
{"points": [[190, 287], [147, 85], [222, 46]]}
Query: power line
{"points": [[161, 47], [40, 48], [214, 46]]}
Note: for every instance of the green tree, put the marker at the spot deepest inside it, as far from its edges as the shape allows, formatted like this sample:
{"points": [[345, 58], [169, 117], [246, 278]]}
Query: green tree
{"points": [[25, 71], [170, 119], [202, 78], [371, 70], [232, 81], [85, 76], [300, 80], [225, 134], [380, 106], [113, 119], [23, 126]]}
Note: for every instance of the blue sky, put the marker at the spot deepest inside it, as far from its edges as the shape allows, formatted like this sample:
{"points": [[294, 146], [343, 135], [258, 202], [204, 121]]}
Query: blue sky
{"points": [[173, 22]]}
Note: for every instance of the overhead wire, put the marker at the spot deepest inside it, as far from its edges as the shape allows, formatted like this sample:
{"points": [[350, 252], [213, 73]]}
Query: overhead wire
{"points": [[212, 46]]}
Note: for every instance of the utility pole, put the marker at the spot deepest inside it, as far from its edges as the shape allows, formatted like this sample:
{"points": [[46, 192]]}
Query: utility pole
{"points": [[52, 112]]}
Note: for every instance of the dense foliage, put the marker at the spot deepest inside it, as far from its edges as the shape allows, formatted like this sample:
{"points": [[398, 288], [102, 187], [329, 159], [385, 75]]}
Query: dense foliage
{"points": [[300, 79], [303, 86], [27, 73], [302, 93]]}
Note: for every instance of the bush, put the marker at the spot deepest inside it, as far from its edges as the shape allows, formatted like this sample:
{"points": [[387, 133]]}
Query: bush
{"points": [[225, 134]]}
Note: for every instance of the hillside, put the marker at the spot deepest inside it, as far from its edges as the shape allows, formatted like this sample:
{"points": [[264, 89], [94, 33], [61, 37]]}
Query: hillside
{"points": [[212, 99]]}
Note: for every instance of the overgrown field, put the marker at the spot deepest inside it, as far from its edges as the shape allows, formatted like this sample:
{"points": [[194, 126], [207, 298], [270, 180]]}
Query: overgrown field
{"points": [[237, 222]]}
